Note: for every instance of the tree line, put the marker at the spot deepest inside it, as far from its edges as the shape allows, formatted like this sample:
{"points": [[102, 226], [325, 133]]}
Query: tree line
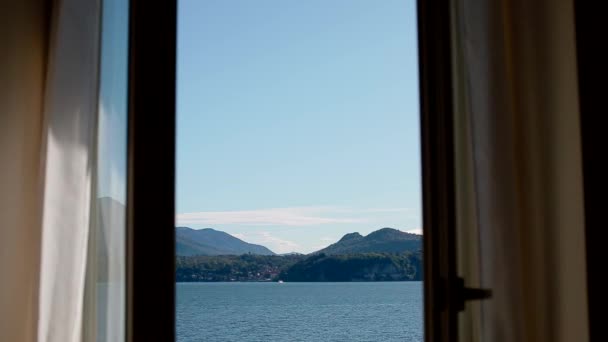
{"points": [[317, 267]]}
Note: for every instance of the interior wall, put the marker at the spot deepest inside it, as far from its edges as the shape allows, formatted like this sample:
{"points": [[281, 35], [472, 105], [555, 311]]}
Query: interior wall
{"points": [[23, 35], [522, 97]]}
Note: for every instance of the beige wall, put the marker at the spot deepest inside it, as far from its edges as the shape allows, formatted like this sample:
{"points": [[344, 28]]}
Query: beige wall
{"points": [[22, 68]]}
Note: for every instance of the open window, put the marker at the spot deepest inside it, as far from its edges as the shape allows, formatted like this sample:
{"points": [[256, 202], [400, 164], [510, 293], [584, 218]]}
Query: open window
{"points": [[512, 229]]}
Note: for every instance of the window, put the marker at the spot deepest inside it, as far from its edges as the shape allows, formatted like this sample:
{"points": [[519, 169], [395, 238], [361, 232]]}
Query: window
{"points": [[105, 297], [298, 171]]}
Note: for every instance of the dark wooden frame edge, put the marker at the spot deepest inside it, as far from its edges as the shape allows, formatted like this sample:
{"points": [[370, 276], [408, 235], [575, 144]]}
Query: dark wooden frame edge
{"points": [[151, 171], [591, 65], [436, 101], [151, 180]]}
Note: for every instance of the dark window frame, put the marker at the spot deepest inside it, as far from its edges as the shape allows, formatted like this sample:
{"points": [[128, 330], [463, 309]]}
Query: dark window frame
{"points": [[151, 170], [441, 296], [591, 70]]}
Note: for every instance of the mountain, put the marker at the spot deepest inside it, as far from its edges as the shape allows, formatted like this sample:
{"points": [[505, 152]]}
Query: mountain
{"points": [[291, 254], [209, 241], [319, 267], [356, 267], [246, 267], [385, 240]]}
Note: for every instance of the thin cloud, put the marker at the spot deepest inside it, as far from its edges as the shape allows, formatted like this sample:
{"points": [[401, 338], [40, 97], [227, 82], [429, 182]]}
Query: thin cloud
{"points": [[291, 216], [266, 239], [388, 210], [294, 216], [414, 231], [240, 236]]}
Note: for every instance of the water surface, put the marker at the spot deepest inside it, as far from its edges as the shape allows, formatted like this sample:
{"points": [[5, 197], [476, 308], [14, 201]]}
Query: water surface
{"points": [[372, 311]]}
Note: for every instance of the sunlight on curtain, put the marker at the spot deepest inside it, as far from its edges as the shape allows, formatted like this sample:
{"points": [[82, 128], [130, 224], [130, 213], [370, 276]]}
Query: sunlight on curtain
{"points": [[82, 280], [70, 114], [63, 129]]}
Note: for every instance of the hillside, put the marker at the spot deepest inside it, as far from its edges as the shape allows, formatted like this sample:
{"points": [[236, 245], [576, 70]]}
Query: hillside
{"points": [[189, 242], [384, 255], [385, 240], [358, 267], [299, 268], [246, 267]]}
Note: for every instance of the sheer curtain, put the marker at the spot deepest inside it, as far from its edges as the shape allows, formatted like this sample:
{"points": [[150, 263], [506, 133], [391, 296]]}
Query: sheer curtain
{"points": [[62, 204], [69, 160]]}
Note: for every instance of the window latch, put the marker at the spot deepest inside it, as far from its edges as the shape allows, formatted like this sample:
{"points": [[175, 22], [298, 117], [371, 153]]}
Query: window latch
{"points": [[465, 294]]}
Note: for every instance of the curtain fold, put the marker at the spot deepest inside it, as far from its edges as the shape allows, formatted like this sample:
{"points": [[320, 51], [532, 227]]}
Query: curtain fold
{"points": [[69, 155], [63, 125], [522, 121]]}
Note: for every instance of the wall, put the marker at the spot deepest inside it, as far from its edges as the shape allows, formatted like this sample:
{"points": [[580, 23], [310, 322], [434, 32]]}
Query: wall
{"points": [[23, 35]]}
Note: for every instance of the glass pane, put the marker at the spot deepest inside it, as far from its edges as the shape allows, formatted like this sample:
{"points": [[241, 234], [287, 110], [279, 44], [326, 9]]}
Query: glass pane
{"points": [[106, 279], [298, 171]]}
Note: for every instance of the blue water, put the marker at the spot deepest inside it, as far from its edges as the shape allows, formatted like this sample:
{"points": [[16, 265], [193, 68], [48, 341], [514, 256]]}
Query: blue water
{"points": [[373, 311]]}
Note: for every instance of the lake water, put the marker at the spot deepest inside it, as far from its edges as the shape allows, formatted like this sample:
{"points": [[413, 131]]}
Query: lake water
{"points": [[372, 311]]}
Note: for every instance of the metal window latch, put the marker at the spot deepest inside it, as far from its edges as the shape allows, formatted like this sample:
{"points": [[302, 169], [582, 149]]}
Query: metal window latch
{"points": [[464, 294]]}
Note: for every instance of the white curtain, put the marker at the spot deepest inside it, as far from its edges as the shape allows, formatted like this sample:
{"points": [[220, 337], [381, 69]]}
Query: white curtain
{"points": [[48, 128], [70, 116]]}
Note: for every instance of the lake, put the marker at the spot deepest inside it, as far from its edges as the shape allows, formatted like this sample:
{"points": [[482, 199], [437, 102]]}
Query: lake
{"points": [[369, 311]]}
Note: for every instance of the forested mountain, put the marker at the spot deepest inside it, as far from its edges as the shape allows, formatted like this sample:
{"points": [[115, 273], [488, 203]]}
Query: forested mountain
{"points": [[246, 267], [384, 255], [300, 268], [356, 267], [208, 241], [385, 240]]}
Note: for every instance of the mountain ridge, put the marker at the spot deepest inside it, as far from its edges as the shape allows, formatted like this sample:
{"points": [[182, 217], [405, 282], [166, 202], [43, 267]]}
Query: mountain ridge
{"points": [[208, 241], [383, 240], [386, 254]]}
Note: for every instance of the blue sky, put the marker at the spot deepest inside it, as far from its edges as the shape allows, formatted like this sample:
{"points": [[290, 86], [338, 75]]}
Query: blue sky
{"points": [[298, 121]]}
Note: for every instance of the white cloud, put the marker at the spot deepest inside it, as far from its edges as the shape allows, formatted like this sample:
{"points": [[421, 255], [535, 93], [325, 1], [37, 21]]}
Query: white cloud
{"points": [[266, 239], [294, 216], [291, 216], [414, 231], [239, 236]]}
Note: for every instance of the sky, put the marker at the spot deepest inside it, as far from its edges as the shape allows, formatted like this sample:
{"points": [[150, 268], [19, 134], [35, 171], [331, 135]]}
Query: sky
{"points": [[298, 121]]}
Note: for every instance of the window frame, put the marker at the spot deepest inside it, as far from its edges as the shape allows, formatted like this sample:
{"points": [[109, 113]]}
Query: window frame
{"points": [[151, 170], [441, 295], [591, 71]]}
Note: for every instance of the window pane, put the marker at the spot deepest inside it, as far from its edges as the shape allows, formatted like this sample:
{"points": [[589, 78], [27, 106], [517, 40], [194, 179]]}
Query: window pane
{"points": [[298, 171], [106, 273]]}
